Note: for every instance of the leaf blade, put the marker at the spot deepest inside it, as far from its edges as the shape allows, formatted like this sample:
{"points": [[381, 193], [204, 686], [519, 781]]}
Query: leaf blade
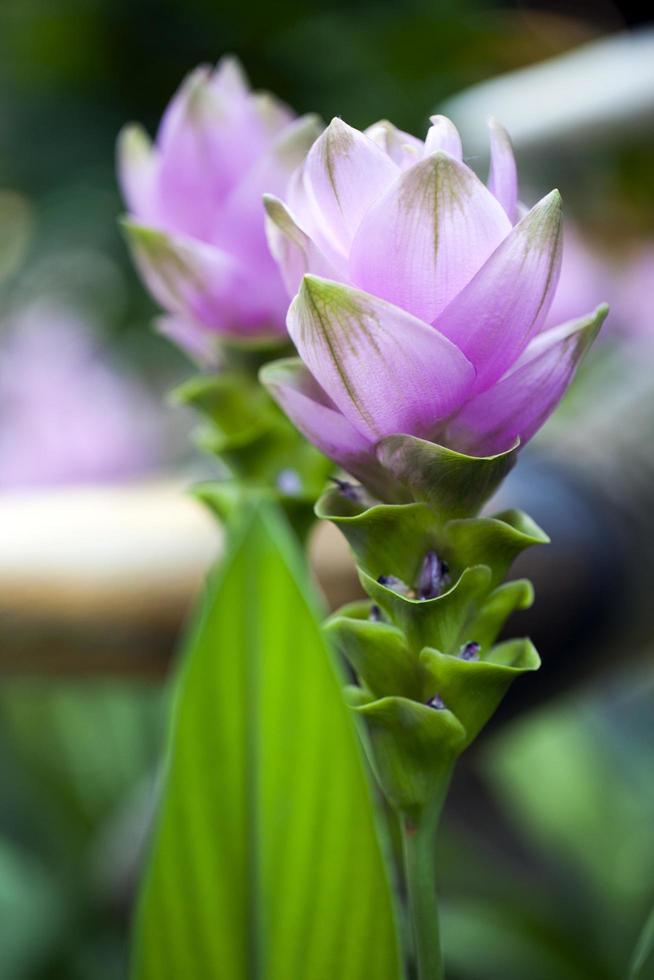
{"points": [[266, 862]]}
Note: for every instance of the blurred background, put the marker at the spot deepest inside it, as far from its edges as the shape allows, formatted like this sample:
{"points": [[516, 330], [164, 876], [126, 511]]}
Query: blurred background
{"points": [[548, 861]]}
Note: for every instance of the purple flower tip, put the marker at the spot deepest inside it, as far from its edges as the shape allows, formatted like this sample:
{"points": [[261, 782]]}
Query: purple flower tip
{"points": [[348, 490], [470, 651], [433, 576], [375, 614], [395, 583], [436, 702]]}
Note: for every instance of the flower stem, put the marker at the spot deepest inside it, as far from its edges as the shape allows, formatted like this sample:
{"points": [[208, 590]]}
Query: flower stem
{"points": [[419, 840]]}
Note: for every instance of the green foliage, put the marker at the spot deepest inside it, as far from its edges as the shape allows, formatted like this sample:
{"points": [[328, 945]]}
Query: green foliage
{"points": [[31, 914], [473, 689], [571, 788], [76, 760], [244, 426], [412, 749], [423, 702], [392, 539], [644, 950], [412, 745], [439, 622], [265, 861]]}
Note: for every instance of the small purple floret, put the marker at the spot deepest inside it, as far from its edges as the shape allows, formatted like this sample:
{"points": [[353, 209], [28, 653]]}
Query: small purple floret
{"points": [[436, 702], [375, 614], [349, 490], [470, 651], [433, 576], [394, 583]]}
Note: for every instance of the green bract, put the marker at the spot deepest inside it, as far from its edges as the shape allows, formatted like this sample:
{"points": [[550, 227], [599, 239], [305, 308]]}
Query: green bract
{"points": [[424, 651]]}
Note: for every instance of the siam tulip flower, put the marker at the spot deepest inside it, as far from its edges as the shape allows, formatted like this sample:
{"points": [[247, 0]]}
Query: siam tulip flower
{"points": [[196, 221], [422, 296]]}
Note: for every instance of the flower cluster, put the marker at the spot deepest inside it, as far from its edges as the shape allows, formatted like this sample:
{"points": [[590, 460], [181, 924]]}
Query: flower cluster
{"points": [[422, 296]]}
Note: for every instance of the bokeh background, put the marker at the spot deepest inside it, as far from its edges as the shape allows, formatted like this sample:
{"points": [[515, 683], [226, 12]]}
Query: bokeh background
{"points": [[548, 855]]}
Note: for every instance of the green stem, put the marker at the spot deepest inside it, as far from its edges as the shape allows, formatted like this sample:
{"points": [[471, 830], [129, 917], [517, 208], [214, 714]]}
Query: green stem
{"points": [[419, 843]]}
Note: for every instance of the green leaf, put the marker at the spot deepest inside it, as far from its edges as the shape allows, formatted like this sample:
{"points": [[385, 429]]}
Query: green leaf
{"points": [[266, 862], [644, 949], [453, 484], [33, 913]]}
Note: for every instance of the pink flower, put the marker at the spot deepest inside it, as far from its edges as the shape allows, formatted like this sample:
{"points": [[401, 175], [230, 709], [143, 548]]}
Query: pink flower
{"points": [[196, 224], [422, 296], [66, 416]]}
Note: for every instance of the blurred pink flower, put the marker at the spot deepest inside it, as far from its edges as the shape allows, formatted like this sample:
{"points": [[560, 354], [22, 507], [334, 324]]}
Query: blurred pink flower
{"points": [[585, 275], [66, 417], [422, 298], [634, 290], [196, 224]]}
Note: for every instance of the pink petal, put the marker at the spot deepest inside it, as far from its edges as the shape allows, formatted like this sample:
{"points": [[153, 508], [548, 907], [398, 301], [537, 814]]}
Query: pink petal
{"points": [[240, 221], [293, 250], [201, 283], [314, 413], [443, 135], [344, 173], [503, 174], [309, 220], [385, 370], [209, 138], [137, 172], [229, 79], [428, 235], [403, 148], [498, 312], [274, 115], [519, 404]]}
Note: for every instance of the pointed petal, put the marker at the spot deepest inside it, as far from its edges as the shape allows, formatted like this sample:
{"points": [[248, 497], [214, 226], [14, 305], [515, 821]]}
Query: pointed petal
{"points": [[344, 173], [443, 135], [294, 252], [137, 172], [503, 174], [201, 283], [229, 78], [519, 404], [274, 114], [385, 370], [403, 148], [495, 316], [309, 220], [428, 235], [240, 222], [177, 108], [314, 413], [210, 136]]}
